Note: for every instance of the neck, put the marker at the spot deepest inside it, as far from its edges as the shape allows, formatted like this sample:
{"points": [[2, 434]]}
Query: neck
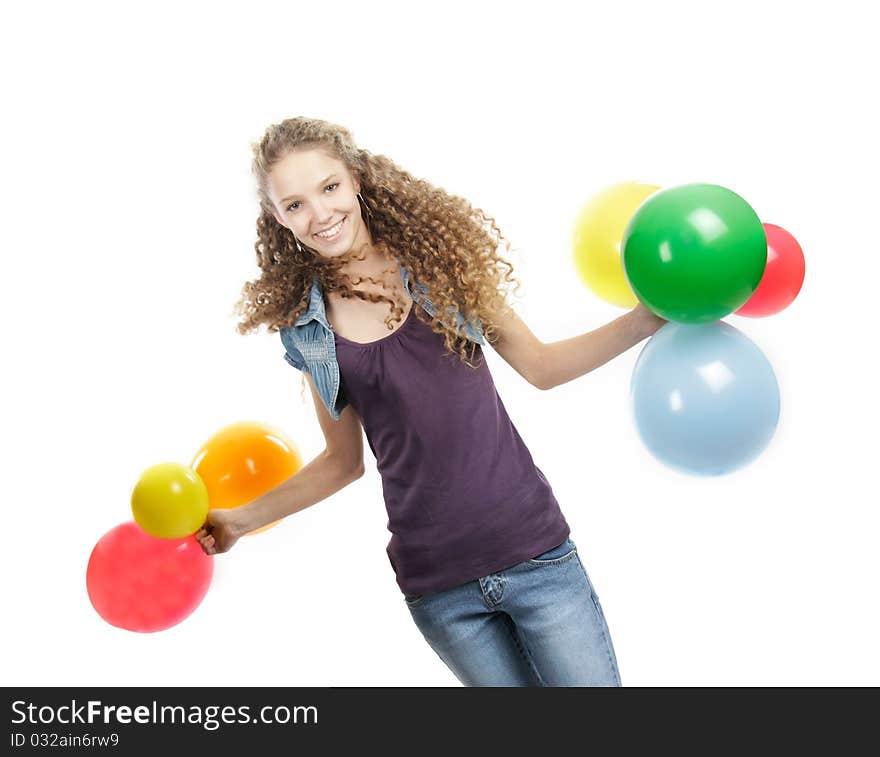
{"points": [[375, 262]]}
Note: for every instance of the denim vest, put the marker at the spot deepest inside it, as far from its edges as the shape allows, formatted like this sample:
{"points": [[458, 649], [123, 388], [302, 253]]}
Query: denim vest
{"points": [[309, 343]]}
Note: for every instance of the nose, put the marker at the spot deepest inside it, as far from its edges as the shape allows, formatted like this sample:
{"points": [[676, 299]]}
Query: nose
{"points": [[323, 214]]}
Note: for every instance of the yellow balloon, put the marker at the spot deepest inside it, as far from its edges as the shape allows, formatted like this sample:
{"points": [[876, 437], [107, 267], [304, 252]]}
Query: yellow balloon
{"points": [[170, 501], [598, 231]]}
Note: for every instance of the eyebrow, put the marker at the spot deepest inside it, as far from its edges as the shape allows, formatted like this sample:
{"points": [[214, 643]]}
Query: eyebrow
{"points": [[320, 184]]}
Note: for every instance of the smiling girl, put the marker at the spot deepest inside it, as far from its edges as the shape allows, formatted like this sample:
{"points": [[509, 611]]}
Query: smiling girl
{"points": [[384, 290]]}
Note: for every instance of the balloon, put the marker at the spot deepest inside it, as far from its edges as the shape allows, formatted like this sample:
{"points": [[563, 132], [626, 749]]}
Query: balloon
{"points": [[705, 398], [694, 253], [783, 276], [169, 501], [143, 583], [243, 461], [598, 231]]}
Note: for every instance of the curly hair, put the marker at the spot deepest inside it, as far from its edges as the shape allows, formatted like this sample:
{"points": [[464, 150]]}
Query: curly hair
{"points": [[448, 246]]}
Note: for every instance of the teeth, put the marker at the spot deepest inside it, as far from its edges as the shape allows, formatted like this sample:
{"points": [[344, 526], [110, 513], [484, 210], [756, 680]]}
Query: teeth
{"points": [[330, 232]]}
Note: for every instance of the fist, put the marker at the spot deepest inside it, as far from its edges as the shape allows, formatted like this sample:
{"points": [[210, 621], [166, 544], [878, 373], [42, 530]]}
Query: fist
{"points": [[219, 532], [647, 320]]}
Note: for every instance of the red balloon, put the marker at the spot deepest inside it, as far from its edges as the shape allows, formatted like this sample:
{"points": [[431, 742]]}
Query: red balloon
{"points": [[143, 583], [783, 275]]}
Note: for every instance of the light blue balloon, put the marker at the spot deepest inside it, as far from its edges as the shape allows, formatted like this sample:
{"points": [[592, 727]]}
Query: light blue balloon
{"points": [[705, 398]]}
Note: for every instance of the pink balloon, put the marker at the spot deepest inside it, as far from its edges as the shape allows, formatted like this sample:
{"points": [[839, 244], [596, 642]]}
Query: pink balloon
{"points": [[783, 275], [143, 583]]}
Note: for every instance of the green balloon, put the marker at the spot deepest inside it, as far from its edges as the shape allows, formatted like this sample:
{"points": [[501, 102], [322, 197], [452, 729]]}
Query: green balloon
{"points": [[694, 253]]}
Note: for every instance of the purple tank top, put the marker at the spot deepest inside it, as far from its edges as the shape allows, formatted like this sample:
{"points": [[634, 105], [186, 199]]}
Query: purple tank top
{"points": [[463, 495]]}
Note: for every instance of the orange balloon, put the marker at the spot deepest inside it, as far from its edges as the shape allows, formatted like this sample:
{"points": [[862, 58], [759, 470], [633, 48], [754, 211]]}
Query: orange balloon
{"points": [[243, 461]]}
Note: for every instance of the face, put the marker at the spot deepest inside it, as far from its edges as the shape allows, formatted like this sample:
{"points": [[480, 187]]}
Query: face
{"points": [[316, 198]]}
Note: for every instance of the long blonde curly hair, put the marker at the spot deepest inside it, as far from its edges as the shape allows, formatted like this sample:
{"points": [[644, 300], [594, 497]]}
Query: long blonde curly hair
{"points": [[448, 246]]}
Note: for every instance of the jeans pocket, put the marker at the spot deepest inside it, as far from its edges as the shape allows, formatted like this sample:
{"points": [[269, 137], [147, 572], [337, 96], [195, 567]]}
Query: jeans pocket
{"points": [[560, 553], [590, 585]]}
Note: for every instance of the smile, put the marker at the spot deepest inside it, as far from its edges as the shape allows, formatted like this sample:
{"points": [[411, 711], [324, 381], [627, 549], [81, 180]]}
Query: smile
{"points": [[332, 232]]}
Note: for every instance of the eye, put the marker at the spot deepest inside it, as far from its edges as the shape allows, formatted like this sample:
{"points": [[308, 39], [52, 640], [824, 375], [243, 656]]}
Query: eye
{"points": [[331, 187]]}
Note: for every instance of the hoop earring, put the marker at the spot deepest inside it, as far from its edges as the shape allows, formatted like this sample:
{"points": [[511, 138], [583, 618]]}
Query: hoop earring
{"points": [[297, 244], [363, 202]]}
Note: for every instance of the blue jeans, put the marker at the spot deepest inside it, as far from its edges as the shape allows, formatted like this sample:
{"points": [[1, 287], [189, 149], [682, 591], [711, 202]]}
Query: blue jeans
{"points": [[538, 623]]}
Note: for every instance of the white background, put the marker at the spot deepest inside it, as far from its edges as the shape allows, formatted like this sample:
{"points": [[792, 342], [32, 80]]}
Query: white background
{"points": [[129, 223]]}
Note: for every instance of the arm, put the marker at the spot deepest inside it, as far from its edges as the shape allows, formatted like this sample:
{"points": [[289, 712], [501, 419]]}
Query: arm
{"points": [[341, 462], [548, 365]]}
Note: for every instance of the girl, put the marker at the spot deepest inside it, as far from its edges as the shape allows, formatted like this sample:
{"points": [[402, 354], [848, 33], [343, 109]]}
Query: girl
{"points": [[384, 289]]}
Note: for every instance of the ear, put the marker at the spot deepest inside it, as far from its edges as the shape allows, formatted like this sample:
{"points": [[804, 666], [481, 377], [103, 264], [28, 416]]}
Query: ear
{"points": [[278, 218]]}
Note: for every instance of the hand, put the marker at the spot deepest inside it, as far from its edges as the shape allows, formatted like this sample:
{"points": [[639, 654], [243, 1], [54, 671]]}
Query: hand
{"points": [[219, 532], [647, 320]]}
